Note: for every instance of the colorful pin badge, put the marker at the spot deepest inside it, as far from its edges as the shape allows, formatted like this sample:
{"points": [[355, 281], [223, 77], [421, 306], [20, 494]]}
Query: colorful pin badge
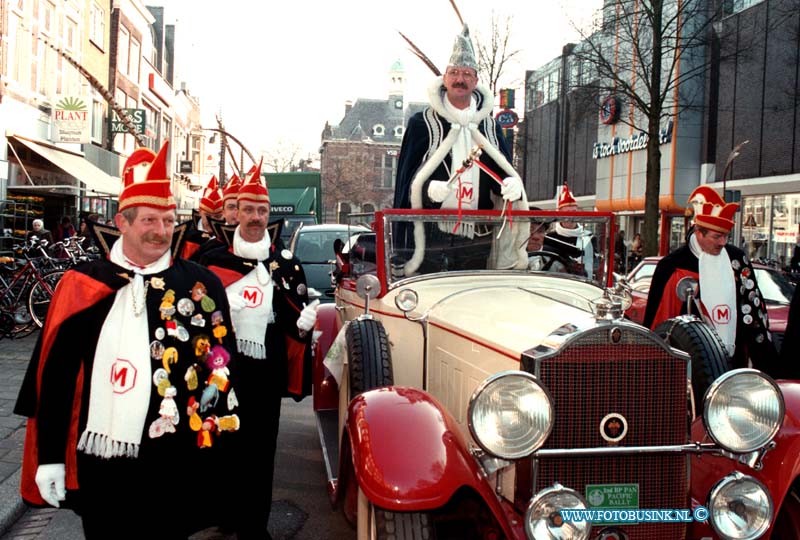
{"points": [[191, 378], [170, 356], [273, 266], [156, 350], [157, 283], [198, 320], [185, 307]]}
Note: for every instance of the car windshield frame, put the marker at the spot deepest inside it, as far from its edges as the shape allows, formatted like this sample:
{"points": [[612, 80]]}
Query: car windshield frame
{"points": [[388, 257], [775, 290]]}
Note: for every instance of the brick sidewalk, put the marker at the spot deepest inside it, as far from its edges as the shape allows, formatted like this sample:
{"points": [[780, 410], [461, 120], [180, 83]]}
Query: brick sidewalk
{"points": [[14, 358]]}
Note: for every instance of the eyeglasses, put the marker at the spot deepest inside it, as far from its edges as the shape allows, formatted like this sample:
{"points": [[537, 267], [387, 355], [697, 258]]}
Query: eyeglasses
{"points": [[466, 73]]}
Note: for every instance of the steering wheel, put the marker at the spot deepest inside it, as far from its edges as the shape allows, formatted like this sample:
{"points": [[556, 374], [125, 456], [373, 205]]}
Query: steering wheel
{"points": [[550, 257]]}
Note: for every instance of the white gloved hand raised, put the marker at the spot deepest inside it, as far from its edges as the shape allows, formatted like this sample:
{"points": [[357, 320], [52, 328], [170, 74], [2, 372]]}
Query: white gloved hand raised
{"points": [[438, 190], [512, 188], [50, 481], [237, 302], [308, 317]]}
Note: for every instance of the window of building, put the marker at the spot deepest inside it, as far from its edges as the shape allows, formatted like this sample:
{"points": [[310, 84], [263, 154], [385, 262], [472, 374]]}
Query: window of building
{"points": [[97, 120], [16, 48], [70, 34], [398, 131], [19, 6], [378, 130], [47, 20], [97, 25], [35, 64], [123, 48], [134, 60], [196, 151], [368, 208], [152, 121], [388, 169], [735, 6]]}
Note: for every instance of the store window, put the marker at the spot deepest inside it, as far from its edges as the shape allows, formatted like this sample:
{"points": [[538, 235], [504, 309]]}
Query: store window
{"points": [[151, 127]]}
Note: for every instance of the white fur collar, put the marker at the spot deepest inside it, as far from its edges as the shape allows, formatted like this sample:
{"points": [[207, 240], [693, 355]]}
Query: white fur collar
{"points": [[436, 94]]}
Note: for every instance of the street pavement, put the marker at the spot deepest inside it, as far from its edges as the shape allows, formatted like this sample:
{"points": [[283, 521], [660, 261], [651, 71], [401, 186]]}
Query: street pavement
{"points": [[300, 509]]}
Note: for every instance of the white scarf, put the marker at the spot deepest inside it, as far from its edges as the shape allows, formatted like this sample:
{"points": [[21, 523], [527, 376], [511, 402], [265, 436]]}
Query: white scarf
{"points": [[584, 243], [718, 292], [120, 386], [468, 189], [251, 321]]}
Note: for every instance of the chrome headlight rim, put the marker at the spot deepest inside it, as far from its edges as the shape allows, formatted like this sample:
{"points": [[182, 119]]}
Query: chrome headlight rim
{"points": [[554, 490], [482, 387], [733, 478], [406, 300], [716, 387]]}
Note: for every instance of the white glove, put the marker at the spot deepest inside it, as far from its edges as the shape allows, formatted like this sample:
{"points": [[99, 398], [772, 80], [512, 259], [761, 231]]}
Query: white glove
{"points": [[308, 317], [438, 190], [512, 188], [50, 481], [237, 302]]}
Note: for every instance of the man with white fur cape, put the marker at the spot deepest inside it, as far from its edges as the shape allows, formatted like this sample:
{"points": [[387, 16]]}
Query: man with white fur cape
{"points": [[435, 144]]}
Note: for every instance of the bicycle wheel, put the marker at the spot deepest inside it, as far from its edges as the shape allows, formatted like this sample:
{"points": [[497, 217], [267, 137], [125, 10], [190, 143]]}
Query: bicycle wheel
{"points": [[40, 296]]}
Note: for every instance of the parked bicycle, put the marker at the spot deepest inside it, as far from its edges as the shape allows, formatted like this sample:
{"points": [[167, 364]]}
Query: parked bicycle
{"points": [[25, 291]]}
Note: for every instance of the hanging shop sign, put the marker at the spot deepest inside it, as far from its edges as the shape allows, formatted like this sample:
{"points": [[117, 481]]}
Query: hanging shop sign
{"points": [[72, 122], [637, 141], [136, 116]]}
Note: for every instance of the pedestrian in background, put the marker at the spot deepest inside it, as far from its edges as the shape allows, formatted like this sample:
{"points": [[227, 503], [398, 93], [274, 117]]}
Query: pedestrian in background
{"points": [[40, 232], [65, 229], [130, 390]]}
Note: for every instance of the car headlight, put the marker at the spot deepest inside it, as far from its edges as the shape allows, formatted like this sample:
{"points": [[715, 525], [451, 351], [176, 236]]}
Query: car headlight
{"points": [[740, 507], [406, 300], [510, 414], [544, 520], [743, 410]]}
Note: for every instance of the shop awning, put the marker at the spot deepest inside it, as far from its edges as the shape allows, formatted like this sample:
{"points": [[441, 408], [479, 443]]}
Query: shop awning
{"points": [[98, 183]]}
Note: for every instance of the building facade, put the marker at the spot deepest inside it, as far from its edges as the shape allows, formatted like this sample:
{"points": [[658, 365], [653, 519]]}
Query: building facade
{"points": [[358, 157], [57, 62], [743, 86]]}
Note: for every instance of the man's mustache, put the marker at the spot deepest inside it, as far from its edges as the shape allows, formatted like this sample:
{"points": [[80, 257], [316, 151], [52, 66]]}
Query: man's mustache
{"points": [[460, 85], [255, 222], [155, 238]]}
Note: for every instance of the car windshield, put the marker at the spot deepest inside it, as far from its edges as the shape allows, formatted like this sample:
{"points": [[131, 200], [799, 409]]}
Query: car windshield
{"points": [[774, 287], [418, 242]]}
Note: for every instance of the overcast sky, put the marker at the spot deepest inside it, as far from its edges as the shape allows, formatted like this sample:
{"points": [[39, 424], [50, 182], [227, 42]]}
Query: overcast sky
{"points": [[279, 70]]}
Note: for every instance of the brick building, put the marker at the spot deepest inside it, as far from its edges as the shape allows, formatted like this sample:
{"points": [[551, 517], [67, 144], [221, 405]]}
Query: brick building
{"points": [[358, 161]]}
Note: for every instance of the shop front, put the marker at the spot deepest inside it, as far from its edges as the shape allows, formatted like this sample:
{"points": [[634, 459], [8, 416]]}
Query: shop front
{"points": [[770, 226]]}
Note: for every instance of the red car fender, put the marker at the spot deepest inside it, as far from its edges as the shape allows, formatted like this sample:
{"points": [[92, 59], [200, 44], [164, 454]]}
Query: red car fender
{"points": [[326, 391], [781, 465], [409, 454]]}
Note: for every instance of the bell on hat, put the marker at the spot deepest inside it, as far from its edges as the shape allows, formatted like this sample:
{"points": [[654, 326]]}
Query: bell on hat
{"points": [[154, 190], [565, 198], [710, 210], [231, 189], [211, 201], [253, 189], [463, 51]]}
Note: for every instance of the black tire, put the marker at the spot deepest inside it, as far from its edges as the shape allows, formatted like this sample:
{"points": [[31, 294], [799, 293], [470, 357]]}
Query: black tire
{"points": [[703, 344], [369, 356], [39, 296]]}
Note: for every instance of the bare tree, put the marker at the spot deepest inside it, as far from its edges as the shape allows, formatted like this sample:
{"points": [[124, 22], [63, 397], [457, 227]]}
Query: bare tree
{"points": [[494, 52], [283, 157], [650, 54]]}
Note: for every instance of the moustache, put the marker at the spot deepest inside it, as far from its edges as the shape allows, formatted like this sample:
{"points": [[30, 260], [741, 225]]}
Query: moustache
{"points": [[154, 238], [460, 85], [255, 222]]}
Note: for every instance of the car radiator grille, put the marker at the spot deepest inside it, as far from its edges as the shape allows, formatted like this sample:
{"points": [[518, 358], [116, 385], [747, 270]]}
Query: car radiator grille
{"points": [[591, 377]]}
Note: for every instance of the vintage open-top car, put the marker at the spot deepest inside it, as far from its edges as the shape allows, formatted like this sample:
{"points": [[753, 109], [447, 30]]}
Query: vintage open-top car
{"points": [[488, 403]]}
